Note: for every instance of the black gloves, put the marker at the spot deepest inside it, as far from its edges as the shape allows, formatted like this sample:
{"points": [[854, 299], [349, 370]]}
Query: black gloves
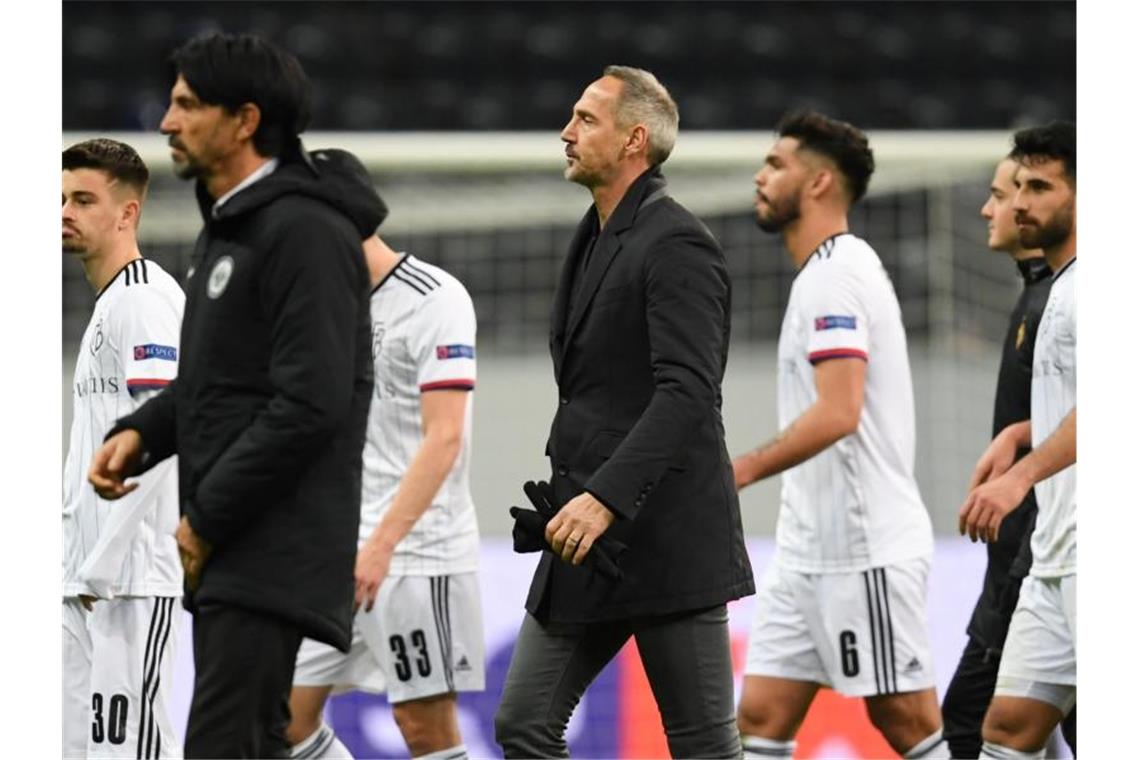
{"points": [[530, 532]]}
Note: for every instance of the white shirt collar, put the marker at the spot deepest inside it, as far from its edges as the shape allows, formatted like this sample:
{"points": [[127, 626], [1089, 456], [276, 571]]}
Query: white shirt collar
{"points": [[259, 173]]}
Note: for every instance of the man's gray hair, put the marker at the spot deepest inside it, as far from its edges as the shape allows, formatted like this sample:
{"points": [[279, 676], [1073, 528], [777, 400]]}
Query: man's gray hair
{"points": [[644, 100]]}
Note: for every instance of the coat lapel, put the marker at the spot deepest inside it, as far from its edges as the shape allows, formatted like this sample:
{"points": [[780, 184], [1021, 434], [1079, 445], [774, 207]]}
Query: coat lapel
{"points": [[559, 311], [607, 247]]}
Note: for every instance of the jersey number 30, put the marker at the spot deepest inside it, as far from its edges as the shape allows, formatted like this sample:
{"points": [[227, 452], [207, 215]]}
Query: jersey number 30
{"points": [[115, 730]]}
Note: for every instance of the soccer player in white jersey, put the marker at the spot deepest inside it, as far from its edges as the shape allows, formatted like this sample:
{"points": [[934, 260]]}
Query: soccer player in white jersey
{"points": [[121, 573], [1037, 677], [418, 632], [843, 603]]}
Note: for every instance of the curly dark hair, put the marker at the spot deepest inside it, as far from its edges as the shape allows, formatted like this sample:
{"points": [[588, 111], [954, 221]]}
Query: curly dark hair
{"points": [[1052, 142], [837, 140], [119, 160], [233, 69]]}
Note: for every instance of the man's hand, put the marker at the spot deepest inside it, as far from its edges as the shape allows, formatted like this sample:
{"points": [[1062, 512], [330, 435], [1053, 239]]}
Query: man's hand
{"points": [[998, 456], [118, 456], [372, 563], [573, 531], [194, 552], [988, 504]]}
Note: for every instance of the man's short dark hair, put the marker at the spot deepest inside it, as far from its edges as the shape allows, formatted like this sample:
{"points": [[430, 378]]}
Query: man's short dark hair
{"points": [[117, 159], [233, 69], [1056, 141], [845, 145]]}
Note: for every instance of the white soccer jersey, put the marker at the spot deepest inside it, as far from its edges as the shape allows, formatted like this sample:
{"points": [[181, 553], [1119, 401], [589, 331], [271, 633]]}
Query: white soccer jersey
{"points": [[854, 505], [423, 339], [124, 547], [1053, 395]]}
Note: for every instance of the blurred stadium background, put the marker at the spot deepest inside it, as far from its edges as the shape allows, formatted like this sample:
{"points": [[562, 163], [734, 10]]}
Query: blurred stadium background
{"points": [[456, 108]]}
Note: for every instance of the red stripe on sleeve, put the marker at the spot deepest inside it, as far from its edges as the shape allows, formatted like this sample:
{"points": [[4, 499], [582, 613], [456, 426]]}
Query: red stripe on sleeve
{"points": [[836, 353], [454, 385], [156, 382]]}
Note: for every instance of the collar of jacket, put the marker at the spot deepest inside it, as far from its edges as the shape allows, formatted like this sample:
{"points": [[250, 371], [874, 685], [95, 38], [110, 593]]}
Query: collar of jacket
{"points": [[292, 162], [1034, 269], [567, 316], [335, 177], [622, 218]]}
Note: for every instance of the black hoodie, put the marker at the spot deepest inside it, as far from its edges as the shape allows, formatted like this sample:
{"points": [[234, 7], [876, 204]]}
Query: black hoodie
{"points": [[268, 412]]}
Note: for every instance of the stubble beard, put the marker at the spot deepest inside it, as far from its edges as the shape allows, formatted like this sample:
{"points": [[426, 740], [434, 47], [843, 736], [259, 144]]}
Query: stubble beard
{"points": [[781, 215], [187, 169], [1050, 234], [580, 175]]}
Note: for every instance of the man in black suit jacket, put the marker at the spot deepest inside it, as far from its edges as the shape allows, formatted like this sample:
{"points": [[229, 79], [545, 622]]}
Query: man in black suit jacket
{"points": [[639, 339]]}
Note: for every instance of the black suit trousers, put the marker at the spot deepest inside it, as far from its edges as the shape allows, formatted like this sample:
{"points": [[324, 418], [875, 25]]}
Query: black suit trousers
{"points": [[243, 664], [687, 658]]}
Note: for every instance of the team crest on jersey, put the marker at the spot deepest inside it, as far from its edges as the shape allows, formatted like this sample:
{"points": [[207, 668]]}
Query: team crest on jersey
{"points": [[832, 322], [455, 351], [97, 338], [220, 277]]}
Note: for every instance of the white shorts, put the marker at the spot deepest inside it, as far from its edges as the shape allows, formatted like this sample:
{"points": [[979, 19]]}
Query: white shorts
{"points": [[117, 662], [423, 637], [861, 633], [1041, 647]]}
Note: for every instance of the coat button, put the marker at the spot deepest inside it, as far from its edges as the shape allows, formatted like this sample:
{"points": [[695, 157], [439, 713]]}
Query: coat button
{"points": [[564, 401], [563, 471]]}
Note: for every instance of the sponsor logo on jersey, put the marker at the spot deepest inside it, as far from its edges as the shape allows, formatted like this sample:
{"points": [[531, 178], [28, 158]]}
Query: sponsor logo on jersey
{"points": [[220, 277], [457, 351], [95, 385], [155, 351], [832, 322]]}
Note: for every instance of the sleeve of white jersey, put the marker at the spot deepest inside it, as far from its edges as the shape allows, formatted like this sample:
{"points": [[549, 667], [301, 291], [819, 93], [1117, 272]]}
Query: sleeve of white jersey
{"points": [[148, 323], [835, 315], [444, 340]]}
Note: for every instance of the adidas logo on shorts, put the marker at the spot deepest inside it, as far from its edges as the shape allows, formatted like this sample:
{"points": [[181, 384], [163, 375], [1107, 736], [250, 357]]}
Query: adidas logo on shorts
{"points": [[913, 665], [463, 664]]}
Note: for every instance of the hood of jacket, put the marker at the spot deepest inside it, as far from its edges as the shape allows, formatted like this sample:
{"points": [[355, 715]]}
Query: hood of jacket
{"points": [[334, 176]]}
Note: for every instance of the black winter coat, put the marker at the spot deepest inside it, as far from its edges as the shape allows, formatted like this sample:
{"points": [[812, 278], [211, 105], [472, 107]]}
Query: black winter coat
{"points": [[639, 348], [268, 412]]}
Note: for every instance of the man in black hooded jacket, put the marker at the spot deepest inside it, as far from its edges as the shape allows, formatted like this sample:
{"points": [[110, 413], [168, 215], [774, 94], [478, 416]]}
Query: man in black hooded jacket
{"points": [[268, 412]]}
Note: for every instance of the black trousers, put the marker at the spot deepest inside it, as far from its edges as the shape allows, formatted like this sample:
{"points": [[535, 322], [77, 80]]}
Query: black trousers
{"points": [[968, 697], [688, 661], [243, 662]]}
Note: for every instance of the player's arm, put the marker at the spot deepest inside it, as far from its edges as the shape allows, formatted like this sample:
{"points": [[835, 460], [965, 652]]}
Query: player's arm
{"points": [[1001, 453], [444, 412], [145, 331], [834, 415], [135, 444], [988, 504]]}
